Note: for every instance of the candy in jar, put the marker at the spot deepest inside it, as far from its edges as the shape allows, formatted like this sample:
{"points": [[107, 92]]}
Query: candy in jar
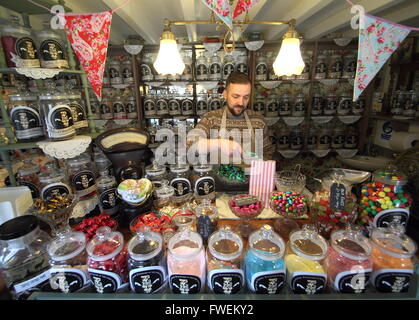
{"points": [[264, 264], [28, 175], [53, 182], [82, 176], [203, 183], [306, 250], [186, 262], [224, 262], [207, 219], [289, 204], [392, 257], [348, 264], [146, 262], [68, 260], [106, 189], [156, 173], [181, 183], [107, 261]]}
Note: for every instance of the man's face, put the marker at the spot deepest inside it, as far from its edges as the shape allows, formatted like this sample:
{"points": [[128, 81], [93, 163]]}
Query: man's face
{"points": [[237, 96]]}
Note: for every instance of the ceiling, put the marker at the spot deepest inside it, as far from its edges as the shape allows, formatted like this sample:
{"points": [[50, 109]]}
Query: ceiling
{"points": [[315, 18]]}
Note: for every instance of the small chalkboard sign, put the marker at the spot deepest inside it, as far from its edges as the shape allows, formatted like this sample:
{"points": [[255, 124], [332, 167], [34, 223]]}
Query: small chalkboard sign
{"points": [[245, 201], [337, 196]]}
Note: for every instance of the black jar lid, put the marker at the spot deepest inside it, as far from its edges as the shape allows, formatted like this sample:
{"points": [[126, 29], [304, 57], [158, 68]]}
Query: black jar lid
{"points": [[18, 227]]}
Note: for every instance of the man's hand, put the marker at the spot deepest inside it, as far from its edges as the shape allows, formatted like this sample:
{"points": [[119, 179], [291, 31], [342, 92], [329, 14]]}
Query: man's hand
{"points": [[230, 147]]}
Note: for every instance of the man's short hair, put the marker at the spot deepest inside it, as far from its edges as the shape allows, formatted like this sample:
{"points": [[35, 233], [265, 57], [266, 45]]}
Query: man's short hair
{"points": [[237, 77]]}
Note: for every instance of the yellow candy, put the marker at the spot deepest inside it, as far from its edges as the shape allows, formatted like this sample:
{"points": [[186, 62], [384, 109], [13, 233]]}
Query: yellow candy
{"points": [[387, 199], [382, 194], [384, 207], [296, 263], [386, 189]]}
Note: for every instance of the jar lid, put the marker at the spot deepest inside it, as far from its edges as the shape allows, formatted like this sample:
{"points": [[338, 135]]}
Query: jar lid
{"points": [[28, 168], [22, 97], [206, 209], [203, 168], [390, 175], [77, 161], [105, 178], [155, 169], [15, 29], [73, 95], [267, 244], [66, 246], [307, 243], [51, 176], [351, 243], [18, 227], [53, 96], [393, 241], [189, 241], [179, 168], [145, 245], [105, 245], [225, 244]]}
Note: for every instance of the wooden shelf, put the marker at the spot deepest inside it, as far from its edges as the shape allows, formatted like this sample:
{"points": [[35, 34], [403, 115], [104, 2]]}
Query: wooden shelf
{"points": [[390, 118]]}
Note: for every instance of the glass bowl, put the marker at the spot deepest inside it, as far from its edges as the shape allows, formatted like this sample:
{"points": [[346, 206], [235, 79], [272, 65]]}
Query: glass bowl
{"points": [[246, 211]]}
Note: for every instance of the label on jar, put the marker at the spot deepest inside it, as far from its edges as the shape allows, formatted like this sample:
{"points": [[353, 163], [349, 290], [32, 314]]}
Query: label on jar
{"points": [[284, 140], [131, 110], [338, 140], [321, 68], [259, 106], [146, 73], [312, 141], [353, 281], [201, 72], [105, 111], [161, 106], [285, 108], [79, 116], [84, 182], [60, 122], [147, 279], [392, 280], [27, 122], [325, 140], [241, 67], [215, 104], [51, 50], [300, 107], [330, 107], [384, 218], [34, 189], [68, 280], [113, 73], [185, 283], [54, 189], [344, 106], [149, 106], [296, 141], [174, 105], [215, 71], [201, 106], [268, 282], [26, 50], [261, 71], [187, 106], [33, 284], [105, 281], [337, 196], [308, 282], [226, 281], [351, 141], [317, 106], [182, 186], [205, 226], [227, 69], [273, 107], [127, 75], [204, 186], [109, 200]]}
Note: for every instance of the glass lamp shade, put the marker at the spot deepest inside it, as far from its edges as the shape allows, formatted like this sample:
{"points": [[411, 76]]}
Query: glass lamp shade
{"points": [[289, 60], [168, 60]]}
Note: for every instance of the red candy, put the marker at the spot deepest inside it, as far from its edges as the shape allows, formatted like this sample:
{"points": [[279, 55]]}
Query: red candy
{"points": [[89, 225], [152, 221], [251, 210]]}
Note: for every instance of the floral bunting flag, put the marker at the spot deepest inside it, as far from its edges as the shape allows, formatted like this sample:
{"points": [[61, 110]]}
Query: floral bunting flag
{"points": [[243, 6], [222, 9], [89, 37], [377, 41]]}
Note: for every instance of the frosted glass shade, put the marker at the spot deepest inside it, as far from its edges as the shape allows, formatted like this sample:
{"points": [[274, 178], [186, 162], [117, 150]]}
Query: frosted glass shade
{"points": [[289, 60], [168, 60]]}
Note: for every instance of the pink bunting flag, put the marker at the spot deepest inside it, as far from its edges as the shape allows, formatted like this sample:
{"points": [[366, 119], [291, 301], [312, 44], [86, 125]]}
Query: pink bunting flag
{"points": [[243, 6], [222, 9], [262, 180], [89, 37]]}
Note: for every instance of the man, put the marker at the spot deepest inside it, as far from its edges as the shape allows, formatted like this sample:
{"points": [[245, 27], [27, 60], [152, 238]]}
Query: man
{"points": [[235, 115]]}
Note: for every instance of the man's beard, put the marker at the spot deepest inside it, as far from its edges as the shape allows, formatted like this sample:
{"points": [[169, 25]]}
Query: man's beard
{"points": [[237, 110]]}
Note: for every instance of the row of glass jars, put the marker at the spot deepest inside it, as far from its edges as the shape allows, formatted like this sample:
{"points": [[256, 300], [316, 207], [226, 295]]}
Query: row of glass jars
{"points": [[307, 263], [117, 107], [317, 139], [405, 103], [24, 48], [118, 72]]}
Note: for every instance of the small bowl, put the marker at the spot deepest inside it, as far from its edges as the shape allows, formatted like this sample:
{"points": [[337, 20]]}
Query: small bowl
{"points": [[245, 212]]}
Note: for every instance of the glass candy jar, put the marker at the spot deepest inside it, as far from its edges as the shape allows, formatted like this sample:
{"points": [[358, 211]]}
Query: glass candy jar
{"points": [[118, 108], [106, 190], [359, 105], [224, 262], [52, 183], [146, 262], [175, 105], [187, 106], [186, 262], [272, 106], [214, 102], [335, 67], [181, 183], [283, 141], [161, 105], [285, 105], [24, 260], [146, 67], [296, 138], [241, 65], [127, 74], [345, 104], [259, 105], [201, 68], [156, 173], [397, 104], [203, 183], [321, 67], [28, 175], [324, 139], [338, 137], [107, 261], [299, 109], [349, 66], [306, 71], [290, 180], [79, 111], [149, 106], [228, 65], [187, 72], [305, 252], [261, 69], [106, 108], [202, 104], [68, 260], [331, 104], [115, 72], [317, 107], [348, 264], [82, 176], [131, 107], [207, 219], [52, 51], [351, 138], [264, 264], [312, 138], [215, 68], [164, 195]]}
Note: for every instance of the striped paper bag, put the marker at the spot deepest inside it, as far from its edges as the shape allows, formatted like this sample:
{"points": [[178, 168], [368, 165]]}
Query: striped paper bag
{"points": [[262, 180]]}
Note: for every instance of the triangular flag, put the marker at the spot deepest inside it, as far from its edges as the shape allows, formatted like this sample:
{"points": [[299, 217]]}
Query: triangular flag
{"points": [[243, 6], [377, 41], [222, 9], [89, 37]]}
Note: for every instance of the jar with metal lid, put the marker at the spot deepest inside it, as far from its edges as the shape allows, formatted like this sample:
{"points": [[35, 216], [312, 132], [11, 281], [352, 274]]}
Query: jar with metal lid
{"points": [[207, 219], [53, 182], [228, 65], [351, 138], [409, 109], [214, 102], [241, 65], [312, 138], [95, 108], [317, 106], [285, 105], [224, 262], [131, 107], [397, 104], [105, 80], [259, 105], [156, 173], [359, 105], [161, 105], [338, 137], [164, 195], [115, 72], [147, 262], [24, 260], [180, 181], [273, 106], [201, 67], [79, 111], [28, 175], [296, 138], [127, 74], [68, 261], [18, 46], [203, 182], [150, 105], [321, 67], [331, 105], [349, 66], [106, 108], [82, 176], [186, 262], [52, 51], [147, 73], [106, 190], [324, 139], [175, 104], [305, 252], [335, 67], [102, 163], [299, 109], [261, 69], [305, 75], [348, 263], [187, 72], [25, 117], [215, 71], [107, 261], [118, 108], [187, 106], [393, 259], [283, 141], [57, 116], [202, 104], [345, 104], [264, 264]]}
